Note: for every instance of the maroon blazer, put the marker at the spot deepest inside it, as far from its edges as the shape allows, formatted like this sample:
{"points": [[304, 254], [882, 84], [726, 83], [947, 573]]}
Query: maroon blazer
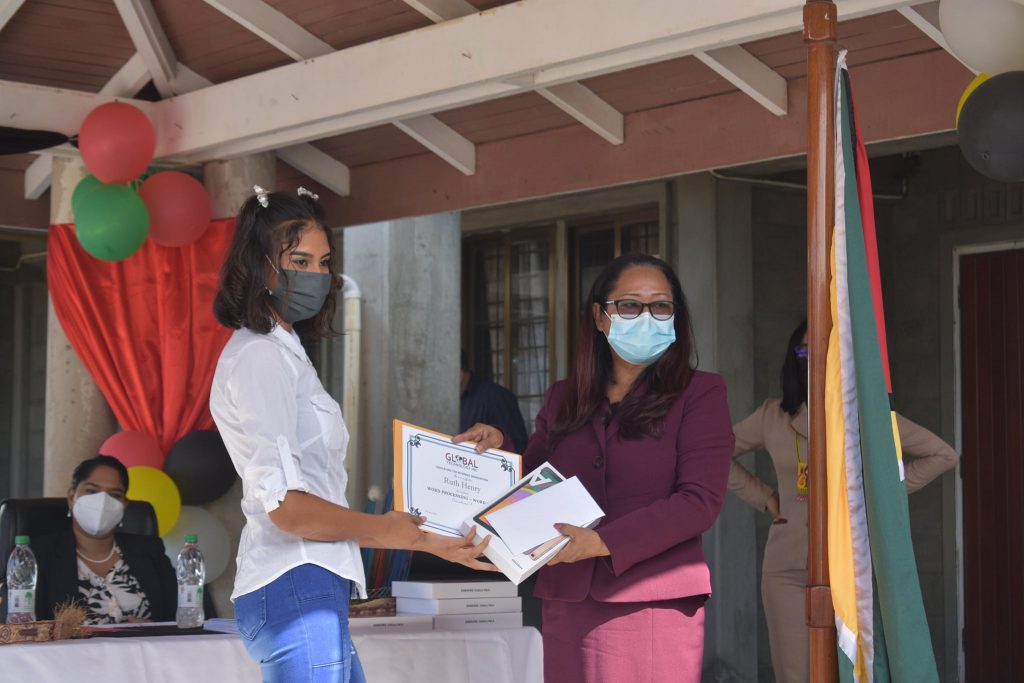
{"points": [[659, 495]]}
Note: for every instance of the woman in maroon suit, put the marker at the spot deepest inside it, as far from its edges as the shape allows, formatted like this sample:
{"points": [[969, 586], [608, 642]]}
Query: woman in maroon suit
{"points": [[651, 439]]}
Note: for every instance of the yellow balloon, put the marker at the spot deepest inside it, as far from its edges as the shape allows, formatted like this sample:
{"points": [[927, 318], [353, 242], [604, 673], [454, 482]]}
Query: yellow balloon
{"points": [[157, 489], [978, 80]]}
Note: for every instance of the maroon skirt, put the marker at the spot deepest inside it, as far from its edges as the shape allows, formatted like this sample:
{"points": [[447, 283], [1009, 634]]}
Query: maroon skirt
{"points": [[612, 642]]}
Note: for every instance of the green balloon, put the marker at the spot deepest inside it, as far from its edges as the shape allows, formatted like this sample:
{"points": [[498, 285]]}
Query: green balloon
{"points": [[112, 222], [85, 187]]}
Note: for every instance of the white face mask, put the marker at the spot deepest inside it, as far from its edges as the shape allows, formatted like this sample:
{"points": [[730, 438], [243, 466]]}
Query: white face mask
{"points": [[97, 513]]}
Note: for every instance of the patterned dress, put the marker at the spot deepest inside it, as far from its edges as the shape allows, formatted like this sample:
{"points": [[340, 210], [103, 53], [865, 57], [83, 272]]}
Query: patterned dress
{"points": [[111, 599]]}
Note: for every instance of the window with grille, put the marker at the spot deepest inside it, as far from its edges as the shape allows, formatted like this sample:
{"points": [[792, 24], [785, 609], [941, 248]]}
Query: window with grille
{"points": [[509, 288], [509, 295], [598, 241]]}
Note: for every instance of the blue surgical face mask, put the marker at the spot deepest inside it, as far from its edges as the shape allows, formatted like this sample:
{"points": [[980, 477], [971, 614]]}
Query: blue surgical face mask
{"points": [[641, 340]]}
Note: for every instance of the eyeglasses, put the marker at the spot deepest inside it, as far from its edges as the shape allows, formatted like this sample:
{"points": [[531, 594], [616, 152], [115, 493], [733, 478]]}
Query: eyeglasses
{"points": [[800, 350], [631, 308]]}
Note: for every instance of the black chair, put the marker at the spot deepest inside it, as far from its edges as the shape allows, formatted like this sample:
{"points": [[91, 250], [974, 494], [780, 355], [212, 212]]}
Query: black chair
{"points": [[42, 516]]}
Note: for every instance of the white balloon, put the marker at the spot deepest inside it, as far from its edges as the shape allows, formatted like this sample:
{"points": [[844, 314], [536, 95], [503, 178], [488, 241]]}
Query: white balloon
{"points": [[987, 34], [214, 542]]}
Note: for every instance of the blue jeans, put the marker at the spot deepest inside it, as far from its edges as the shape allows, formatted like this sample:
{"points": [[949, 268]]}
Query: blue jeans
{"points": [[296, 627]]}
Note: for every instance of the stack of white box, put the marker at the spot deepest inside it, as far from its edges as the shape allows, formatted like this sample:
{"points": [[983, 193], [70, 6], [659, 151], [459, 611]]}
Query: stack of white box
{"points": [[460, 605]]}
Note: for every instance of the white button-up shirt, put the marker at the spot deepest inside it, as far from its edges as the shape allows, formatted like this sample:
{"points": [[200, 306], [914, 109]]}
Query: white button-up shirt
{"points": [[284, 433]]}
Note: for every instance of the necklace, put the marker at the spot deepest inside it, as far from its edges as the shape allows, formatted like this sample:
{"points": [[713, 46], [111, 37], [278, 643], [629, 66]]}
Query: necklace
{"points": [[113, 549]]}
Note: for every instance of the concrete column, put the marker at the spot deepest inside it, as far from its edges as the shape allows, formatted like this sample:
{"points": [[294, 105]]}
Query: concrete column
{"points": [[409, 273], [229, 184], [713, 259], [78, 418]]}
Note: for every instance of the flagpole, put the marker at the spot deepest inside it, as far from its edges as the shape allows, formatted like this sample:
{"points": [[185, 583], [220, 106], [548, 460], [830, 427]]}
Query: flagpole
{"points": [[820, 37]]}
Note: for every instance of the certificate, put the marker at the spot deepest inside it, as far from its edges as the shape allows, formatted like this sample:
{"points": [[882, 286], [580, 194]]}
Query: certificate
{"points": [[447, 482]]}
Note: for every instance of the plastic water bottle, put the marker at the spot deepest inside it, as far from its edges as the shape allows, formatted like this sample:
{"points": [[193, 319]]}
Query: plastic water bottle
{"points": [[21, 583], [191, 577]]}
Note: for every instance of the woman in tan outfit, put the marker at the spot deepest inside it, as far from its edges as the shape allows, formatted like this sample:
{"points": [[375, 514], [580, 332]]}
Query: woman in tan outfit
{"points": [[780, 427]]}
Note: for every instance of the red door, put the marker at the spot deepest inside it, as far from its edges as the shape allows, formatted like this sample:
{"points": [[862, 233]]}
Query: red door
{"points": [[992, 466]]}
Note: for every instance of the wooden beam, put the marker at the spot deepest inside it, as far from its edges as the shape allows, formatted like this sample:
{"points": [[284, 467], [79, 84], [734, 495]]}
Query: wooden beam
{"points": [[319, 166], [304, 157], [585, 106], [187, 80], [442, 141], [574, 99], [299, 44], [8, 8], [24, 105], [149, 39], [37, 176], [457, 64], [451, 65], [820, 37], [128, 81], [442, 10], [275, 27], [750, 75], [172, 78], [926, 18], [897, 100]]}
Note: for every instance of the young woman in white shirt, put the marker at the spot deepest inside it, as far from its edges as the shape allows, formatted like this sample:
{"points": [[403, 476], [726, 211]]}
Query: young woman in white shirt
{"points": [[299, 553]]}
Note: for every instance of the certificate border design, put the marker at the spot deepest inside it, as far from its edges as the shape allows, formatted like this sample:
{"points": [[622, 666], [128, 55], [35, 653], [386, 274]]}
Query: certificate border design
{"points": [[415, 440]]}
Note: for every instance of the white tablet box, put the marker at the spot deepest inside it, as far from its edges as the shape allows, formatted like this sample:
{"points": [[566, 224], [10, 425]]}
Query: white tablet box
{"points": [[480, 605], [516, 566], [471, 622], [446, 590], [403, 623]]}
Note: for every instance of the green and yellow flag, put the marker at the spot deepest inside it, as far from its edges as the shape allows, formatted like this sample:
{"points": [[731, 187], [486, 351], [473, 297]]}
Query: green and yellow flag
{"points": [[882, 630]]}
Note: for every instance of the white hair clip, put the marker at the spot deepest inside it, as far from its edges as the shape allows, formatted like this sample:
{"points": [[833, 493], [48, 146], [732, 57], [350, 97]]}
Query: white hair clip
{"points": [[261, 196], [312, 195]]}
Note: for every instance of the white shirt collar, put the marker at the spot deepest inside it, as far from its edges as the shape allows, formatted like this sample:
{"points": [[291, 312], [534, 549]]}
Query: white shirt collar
{"points": [[289, 340]]}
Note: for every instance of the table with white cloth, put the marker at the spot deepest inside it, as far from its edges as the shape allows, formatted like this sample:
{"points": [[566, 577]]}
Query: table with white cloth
{"points": [[498, 656]]}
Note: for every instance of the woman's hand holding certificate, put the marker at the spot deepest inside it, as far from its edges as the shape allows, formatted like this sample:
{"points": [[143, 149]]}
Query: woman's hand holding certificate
{"points": [[459, 550], [485, 436]]}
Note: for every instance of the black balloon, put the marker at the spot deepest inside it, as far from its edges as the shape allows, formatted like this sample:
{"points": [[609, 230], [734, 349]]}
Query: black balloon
{"points": [[991, 127], [201, 467], [20, 141]]}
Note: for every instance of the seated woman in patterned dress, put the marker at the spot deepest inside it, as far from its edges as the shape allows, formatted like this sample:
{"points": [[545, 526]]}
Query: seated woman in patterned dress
{"points": [[117, 577]]}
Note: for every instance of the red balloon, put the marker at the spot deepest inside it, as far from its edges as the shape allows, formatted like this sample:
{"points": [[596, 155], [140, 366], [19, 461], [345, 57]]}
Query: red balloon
{"points": [[117, 142], [179, 208], [134, 449]]}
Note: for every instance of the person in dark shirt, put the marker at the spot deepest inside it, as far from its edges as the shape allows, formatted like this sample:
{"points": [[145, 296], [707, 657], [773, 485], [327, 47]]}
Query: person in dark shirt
{"points": [[485, 402]]}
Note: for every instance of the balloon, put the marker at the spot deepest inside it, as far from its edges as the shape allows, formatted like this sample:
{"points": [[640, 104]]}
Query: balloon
{"points": [[179, 208], [83, 189], [134, 449], [987, 34], [155, 487], [117, 142], [991, 129], [111, 222], [201, 467], [214, 542], [971, 87]]}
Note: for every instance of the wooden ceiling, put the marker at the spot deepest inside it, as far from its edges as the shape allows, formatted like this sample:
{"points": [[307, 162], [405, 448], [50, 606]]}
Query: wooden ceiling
{"points": [[81, 44]]}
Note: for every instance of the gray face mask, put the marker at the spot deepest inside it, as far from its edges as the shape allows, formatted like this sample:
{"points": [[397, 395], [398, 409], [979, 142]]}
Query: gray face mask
{"points": [[302, 297]]}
